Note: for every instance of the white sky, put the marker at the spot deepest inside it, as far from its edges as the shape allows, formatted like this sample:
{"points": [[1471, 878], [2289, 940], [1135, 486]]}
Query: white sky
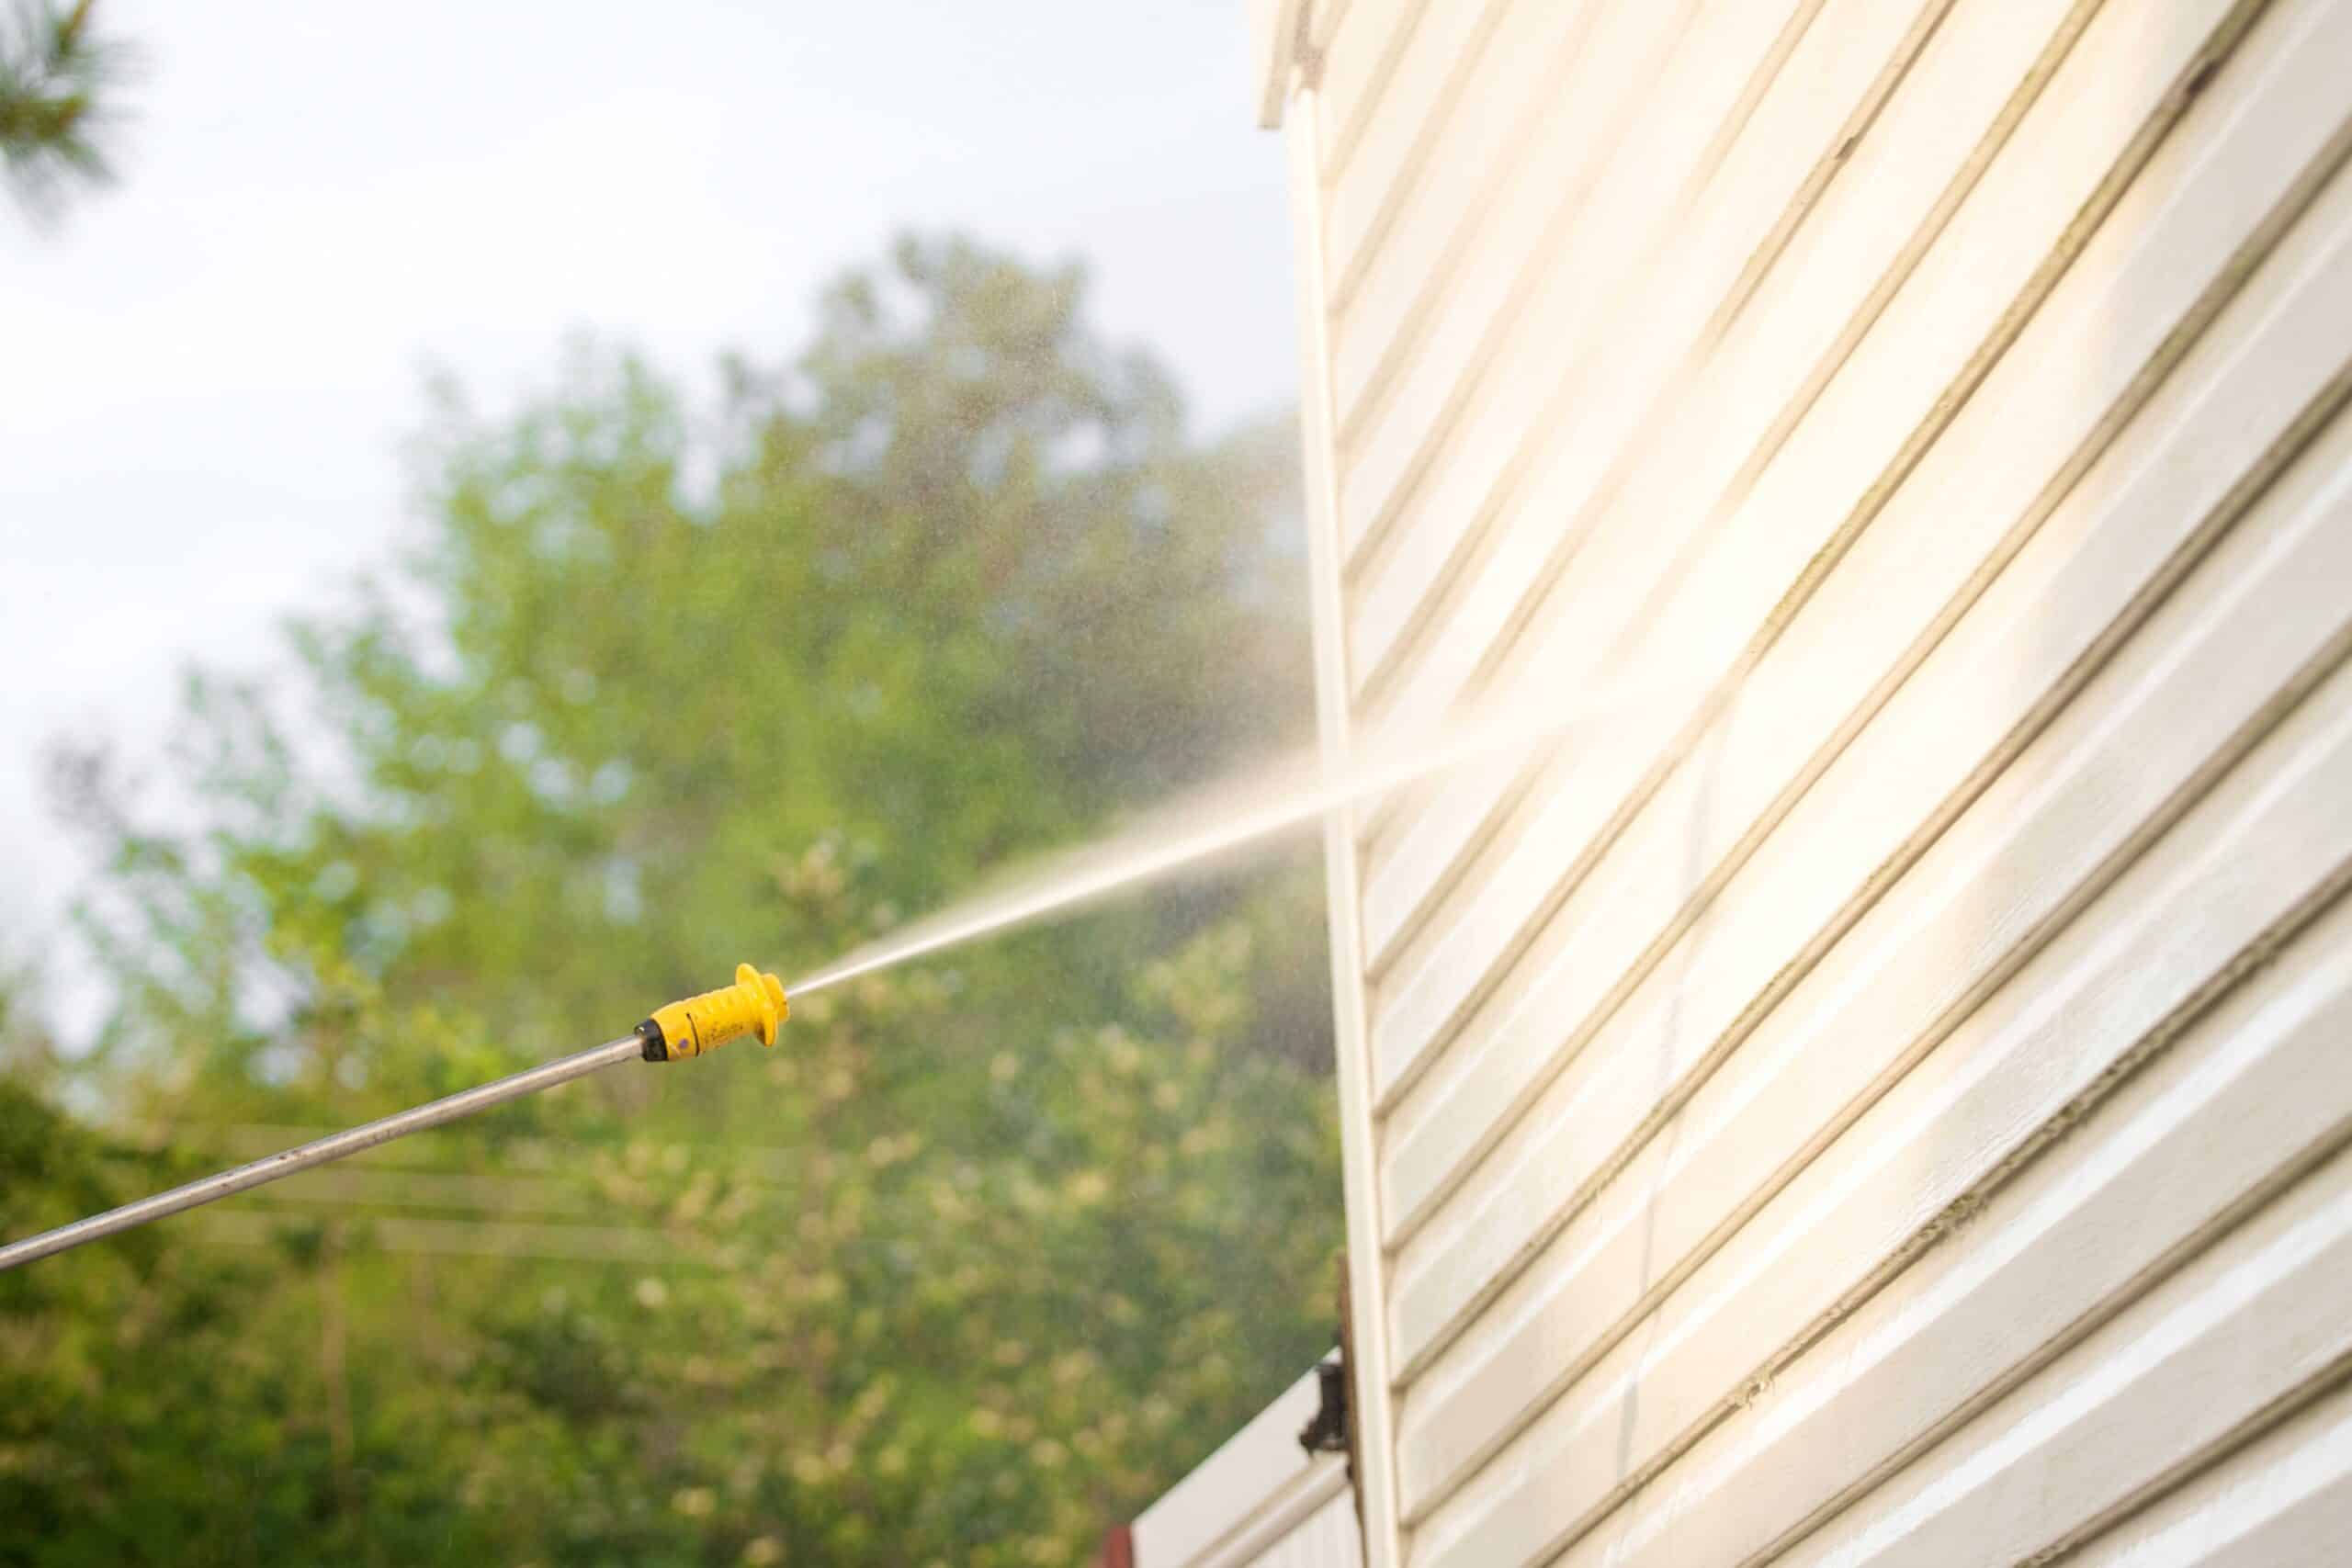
{"points": [[204, 375]]}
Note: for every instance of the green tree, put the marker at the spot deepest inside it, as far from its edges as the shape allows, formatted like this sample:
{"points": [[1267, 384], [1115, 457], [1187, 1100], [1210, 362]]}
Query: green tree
{"points": [[154, 1396], [58, 79], [990, 1249]]}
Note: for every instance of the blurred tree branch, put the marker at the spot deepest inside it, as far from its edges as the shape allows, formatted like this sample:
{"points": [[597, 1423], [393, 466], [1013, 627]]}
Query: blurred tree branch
{"points": [[58, 76]]}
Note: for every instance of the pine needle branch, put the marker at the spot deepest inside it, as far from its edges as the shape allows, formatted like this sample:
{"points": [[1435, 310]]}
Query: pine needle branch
{"points": [[58, 75]]}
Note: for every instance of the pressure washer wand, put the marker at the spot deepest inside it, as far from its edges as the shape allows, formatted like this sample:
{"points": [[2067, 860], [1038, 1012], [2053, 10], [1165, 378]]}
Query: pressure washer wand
{"points": [[753, 1005]]}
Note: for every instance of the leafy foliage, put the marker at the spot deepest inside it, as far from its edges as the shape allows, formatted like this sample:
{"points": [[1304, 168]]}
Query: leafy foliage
{"points": [[982, 1257]]}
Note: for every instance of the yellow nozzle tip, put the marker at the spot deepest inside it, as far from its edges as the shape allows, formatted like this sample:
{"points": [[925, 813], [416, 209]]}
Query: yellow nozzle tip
{"points": [[772, 1007], [753, 1005]]}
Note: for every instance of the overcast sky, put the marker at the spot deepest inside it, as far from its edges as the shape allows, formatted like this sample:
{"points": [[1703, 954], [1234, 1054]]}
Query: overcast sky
{"points": [[205, 373]]}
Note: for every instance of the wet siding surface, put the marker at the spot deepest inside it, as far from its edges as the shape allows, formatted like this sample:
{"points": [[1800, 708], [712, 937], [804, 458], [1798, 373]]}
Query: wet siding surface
{"points": [[1886, 1103]]}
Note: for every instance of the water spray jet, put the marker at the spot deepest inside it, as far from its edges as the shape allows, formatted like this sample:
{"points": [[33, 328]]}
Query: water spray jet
{"points": [[1208, 831]]}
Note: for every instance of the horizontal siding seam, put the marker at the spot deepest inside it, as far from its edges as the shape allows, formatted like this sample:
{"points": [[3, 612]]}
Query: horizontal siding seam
{"points": [[1273, 1520], [1816, 184], [1323, 18], [1342, 144], [2291, 1490], [2334, 1375], [1406, 180]]}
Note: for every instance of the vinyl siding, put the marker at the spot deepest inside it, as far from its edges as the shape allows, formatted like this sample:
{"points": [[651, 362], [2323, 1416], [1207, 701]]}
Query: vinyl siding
{"points": [[1885, 1097], [1257, 1502]]}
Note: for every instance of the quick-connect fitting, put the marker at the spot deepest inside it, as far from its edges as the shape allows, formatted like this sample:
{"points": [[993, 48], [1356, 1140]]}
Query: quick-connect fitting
{"points": [[753, 1005]]}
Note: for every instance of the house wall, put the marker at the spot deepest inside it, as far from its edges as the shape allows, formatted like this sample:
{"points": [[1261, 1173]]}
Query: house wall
{"points": [[1258, 1501], [1885, 1095]]}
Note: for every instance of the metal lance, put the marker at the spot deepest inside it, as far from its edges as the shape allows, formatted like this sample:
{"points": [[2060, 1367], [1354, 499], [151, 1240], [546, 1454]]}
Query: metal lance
{"points": [[755, 1005]]}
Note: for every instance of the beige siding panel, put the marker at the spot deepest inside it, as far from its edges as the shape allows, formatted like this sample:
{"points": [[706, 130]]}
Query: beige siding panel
{"points": [[1715, 69], [2253, 1324], [2270, 842], [1259, 1499], [2123, 1192], [1748, 219], [1609, 241], [2122, 538], [2284, 1501], [1782, 533], [1474, 155], [1843, 64], [1323, 18], [1974, 500], [1763, 189], [1883, 1095], [1662, 500], [1407, 137], [1224, 1492], [1600, 92], [1325, 1538], [1358, 62], [1257, 1502], [2026, 854]]}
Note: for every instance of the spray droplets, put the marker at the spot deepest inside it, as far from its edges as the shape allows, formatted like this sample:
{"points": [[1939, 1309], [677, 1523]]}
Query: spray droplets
{"points": [[1213, 826]]}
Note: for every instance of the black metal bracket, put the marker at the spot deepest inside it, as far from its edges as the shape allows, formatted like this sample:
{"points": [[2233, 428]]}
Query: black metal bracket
{"points": [[1327, 1431]]}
